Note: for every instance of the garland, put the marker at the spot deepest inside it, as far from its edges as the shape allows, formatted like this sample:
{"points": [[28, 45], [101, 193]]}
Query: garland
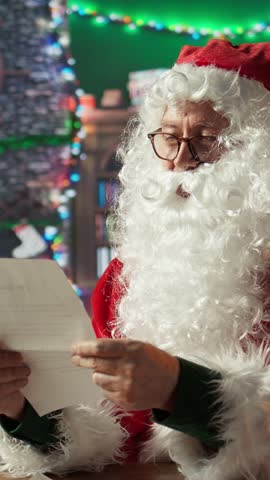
{"points": [[32, 141], [194, 33]]}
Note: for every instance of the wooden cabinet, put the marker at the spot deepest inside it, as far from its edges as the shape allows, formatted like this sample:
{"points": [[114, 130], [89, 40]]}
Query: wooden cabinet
{"points": [[99, 170]]}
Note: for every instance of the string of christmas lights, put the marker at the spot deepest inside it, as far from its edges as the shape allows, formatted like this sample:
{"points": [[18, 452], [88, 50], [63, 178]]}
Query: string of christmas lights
{"points": [[58, 46], [31, 141], [194, 33], [40, 144]]}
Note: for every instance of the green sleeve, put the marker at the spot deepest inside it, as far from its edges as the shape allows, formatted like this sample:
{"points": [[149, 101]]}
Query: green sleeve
{"points": [[197, 403], [38, 431]]}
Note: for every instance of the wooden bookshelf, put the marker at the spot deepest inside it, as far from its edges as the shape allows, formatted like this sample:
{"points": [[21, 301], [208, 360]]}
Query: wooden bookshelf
{"points": [[102, 244], [103, 132], [110, 174], [104, 210]]}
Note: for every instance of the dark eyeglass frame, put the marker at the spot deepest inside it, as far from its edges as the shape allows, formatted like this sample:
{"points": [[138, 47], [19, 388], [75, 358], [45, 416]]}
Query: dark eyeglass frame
{"points": [[191, 148]]}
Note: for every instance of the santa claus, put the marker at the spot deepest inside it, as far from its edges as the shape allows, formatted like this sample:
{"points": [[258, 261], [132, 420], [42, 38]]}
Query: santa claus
{"points": [[182, 314]]}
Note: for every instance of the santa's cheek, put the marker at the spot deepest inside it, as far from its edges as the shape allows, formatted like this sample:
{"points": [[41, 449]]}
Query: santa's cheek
{"points": [[167, 165]]}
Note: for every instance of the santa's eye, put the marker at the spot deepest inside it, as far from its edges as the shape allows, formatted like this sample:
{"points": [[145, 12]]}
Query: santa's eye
{"points": [[169, 138]]}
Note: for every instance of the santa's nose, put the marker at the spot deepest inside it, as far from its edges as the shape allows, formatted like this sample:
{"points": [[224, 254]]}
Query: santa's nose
{"points": [[184, 159]]}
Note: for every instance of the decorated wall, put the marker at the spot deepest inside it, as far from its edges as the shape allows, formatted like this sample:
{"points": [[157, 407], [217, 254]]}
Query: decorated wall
{"points": [[39, 130], [111, 38]]}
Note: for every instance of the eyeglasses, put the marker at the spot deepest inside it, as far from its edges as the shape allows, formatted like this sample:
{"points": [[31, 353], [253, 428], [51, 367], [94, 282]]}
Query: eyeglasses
{"points": [[166, 146]]}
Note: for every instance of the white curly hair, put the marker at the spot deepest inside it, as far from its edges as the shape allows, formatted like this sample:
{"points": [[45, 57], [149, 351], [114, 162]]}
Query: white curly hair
{"points": [[196, 266]]}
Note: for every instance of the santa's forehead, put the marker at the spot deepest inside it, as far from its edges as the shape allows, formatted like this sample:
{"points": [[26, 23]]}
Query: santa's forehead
{"points": [[202, 113]]}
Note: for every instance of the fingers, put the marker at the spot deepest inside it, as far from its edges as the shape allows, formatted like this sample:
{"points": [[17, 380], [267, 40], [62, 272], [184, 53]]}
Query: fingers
{"points": [[106, 382], [119, 392], [10, 374], [13, 377], [104, 347], [10, 403], [96, 363], [11, 387], [8, 358], [110, 366]]}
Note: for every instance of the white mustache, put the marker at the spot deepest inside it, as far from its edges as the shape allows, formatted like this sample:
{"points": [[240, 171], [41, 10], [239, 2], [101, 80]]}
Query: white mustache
{"points": [[170, 186]]}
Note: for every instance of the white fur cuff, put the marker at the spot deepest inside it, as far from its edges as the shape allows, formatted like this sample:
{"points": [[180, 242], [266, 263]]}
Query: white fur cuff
{"points": [[244, 424], [88, 440]]}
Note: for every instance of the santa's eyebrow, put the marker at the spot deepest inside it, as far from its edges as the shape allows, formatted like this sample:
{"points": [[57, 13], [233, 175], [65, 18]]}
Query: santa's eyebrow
{"points": [[167, 124]]}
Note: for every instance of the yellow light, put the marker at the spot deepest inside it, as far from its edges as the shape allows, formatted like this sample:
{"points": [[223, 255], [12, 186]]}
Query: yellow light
{"points": [[240, 30], [139, 22], [91, 12], [57, 240]]}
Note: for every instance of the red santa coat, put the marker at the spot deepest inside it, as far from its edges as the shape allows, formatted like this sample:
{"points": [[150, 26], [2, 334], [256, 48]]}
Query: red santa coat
{"points": [[91, 439], [106, 296]]}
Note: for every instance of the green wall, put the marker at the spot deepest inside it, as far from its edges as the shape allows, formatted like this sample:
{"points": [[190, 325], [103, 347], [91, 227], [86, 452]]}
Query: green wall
{"points": [[106, 53]]}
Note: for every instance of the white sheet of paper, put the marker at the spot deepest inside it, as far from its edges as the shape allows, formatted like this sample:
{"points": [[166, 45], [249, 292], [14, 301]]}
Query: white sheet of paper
{"points": [[41, 316]]}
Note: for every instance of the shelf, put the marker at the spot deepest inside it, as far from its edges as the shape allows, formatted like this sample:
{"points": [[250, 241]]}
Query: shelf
{"points": [[109, 116], [105, 210], [100, 185], [106, 175], [103, 244]]}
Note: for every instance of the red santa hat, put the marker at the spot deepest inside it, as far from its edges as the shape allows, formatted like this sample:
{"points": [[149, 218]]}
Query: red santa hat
{"points": [[251, 60]]}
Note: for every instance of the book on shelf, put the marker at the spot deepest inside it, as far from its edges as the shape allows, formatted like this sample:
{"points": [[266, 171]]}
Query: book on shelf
{"points": [[107, 191], [101, 230], [104, 256], [101, 192]]}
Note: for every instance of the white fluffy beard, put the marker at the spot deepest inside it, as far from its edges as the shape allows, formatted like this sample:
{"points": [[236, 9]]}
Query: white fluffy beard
{"points": [[192, 264]]}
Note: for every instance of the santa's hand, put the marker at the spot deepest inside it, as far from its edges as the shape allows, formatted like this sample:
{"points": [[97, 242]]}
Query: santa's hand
{"points": [[134, 375]]}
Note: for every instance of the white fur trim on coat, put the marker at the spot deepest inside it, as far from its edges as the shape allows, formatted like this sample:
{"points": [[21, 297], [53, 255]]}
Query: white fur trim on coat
{"points": [[244, 425], [88, 440]]}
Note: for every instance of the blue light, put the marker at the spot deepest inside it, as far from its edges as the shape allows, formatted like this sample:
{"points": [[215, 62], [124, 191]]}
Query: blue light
{"points": [[81, 12], [75, 177], [67, 71], [57, 20], [50, 232], [64, 215], [49, 237], [77, 290], [75, 151], [159, 26], [195, 36]]}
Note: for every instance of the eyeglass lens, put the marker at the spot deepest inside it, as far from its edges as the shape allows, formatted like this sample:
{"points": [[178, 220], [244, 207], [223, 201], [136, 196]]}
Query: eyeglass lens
{"points": [[167, 146]]}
